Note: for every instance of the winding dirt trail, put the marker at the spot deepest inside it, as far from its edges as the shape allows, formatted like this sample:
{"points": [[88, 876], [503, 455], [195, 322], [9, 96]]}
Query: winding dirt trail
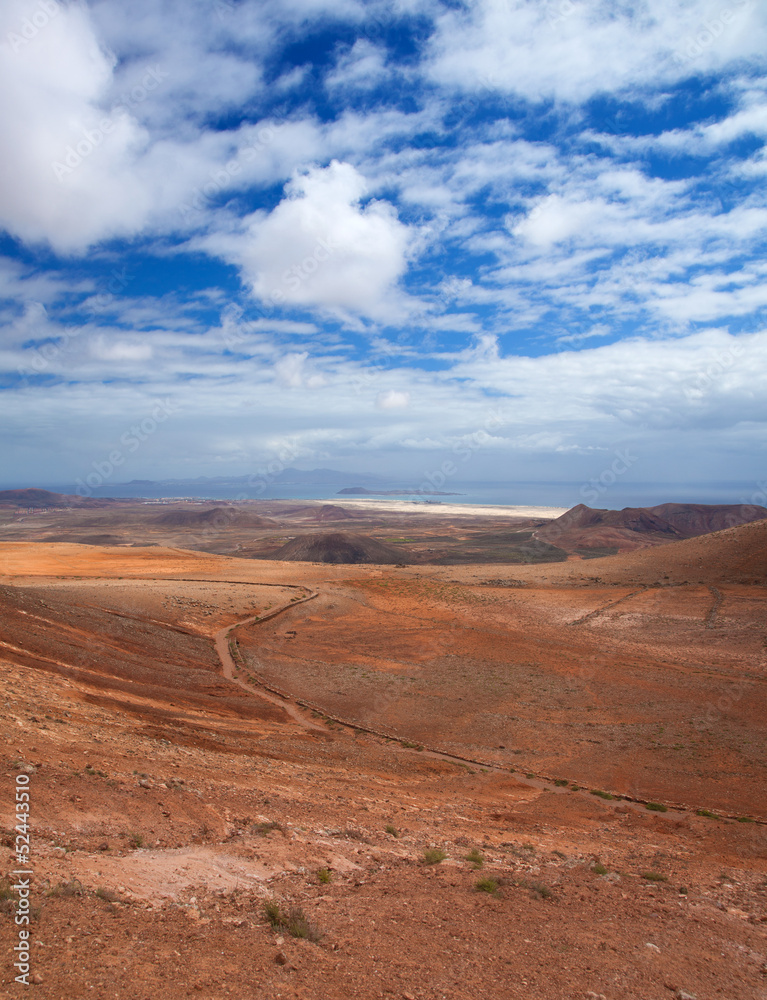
{"points": [[221, 642], [283, 700]]}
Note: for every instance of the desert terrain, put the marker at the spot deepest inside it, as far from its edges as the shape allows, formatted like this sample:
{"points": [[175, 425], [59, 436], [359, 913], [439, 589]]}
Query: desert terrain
{"points": [[479, 768]]}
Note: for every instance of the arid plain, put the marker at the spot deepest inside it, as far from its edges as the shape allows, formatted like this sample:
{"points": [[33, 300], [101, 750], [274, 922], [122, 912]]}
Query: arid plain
{"points": [[581, 744]]}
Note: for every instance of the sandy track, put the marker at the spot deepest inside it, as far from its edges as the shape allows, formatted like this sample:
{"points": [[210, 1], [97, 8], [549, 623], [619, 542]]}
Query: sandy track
{"points": [[229, 667]]}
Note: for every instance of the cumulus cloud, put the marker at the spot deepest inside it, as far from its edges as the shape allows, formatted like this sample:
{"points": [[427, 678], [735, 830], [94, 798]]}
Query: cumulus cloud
{"points": [[321, 247], [67, 165]]}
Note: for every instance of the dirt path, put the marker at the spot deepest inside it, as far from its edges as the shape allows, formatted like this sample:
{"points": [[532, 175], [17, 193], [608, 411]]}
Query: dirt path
{"points": [[221, 642]]}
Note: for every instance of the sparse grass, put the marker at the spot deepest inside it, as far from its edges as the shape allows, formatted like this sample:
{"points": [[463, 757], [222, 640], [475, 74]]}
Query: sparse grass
{"points": [[67, 889], [487, 885], [475, 857], [538, 889], [324, 875], [599, 868], [262, 829], [136, 840], [109, 895], [654, 877], [602, 795], [294, 921], [561, 783], [392, 830], [746, 819], [433, 855], [657, 807], [6, 896], [707, 813]]}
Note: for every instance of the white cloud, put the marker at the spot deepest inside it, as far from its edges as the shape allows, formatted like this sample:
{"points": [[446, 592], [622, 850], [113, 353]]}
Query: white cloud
{"points": [[320, 247], [361, 66], [574, 49], [53, 114], [393, 399]]}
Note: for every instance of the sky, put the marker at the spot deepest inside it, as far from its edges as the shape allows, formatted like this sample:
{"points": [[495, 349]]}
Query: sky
{"points": [[501, 240]]}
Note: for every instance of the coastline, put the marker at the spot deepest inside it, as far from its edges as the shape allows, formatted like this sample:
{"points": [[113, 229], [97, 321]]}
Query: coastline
{"points": [[451, 509]]}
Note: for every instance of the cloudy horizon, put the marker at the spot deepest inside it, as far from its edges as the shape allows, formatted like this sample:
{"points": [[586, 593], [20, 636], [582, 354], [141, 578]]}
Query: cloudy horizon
{"points": [[521, 238]]}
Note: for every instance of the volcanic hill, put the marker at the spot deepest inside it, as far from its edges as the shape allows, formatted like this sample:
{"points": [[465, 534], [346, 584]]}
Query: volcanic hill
{"points": [[639, 527], [340, 547]]}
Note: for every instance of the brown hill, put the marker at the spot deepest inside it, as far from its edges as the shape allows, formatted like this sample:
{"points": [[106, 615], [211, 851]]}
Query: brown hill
{"points": [[35, 498], [734, 555], [332, 512], [640, 527], [340, 547], [220, 516]]}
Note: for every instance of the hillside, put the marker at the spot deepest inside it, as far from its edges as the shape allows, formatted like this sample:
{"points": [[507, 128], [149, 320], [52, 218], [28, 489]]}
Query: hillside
{"points": [[584, 528], [339, 547], [220, 516]]}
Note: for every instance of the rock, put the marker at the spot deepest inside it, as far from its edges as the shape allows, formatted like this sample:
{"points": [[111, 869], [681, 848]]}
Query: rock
{"points": [[684, 995], [652, 947], [281, 958], [143, 783], [37, 979], [104, 846]]}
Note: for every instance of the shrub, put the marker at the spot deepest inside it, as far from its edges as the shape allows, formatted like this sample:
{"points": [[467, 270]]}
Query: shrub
{"points": [[706, 812], [746, 819], [109, 895], [66, 889], [561, 783], [657, 807], [433, 855], [599, 869], [487, 885], [294, 921], [475, 857], [540, 890], [392, 830], [135, 840], [601, 794], [262, 829], [324, 875], [654, 877]]}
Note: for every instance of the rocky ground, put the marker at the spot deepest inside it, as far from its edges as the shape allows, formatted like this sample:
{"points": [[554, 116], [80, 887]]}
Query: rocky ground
{"points": [[191, 839]]}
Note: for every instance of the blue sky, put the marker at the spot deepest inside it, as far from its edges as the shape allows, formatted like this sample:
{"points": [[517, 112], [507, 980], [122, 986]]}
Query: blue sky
{"points": [[518, 237]]}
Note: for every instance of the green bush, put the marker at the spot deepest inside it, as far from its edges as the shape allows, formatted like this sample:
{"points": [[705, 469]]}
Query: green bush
{"points": [[433, 855], [486, 885], [657, 807], [475, 857], [294, 921]]}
